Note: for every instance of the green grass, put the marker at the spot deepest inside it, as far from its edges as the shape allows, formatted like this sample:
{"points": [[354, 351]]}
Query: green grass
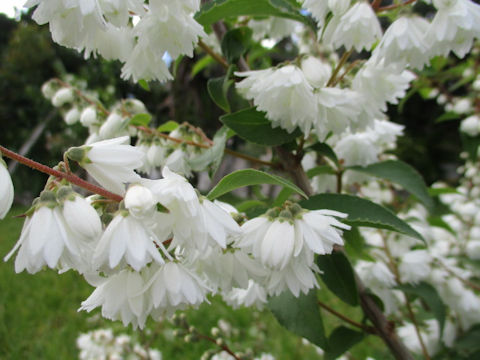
{"points": [[39, 318]]}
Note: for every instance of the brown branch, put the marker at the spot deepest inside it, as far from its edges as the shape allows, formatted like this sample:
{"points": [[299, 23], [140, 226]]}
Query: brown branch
{"points": [[376, 4], [224, 347], [340, 64], [69, 177], [213, 54], [394, 6], [367, 329]]}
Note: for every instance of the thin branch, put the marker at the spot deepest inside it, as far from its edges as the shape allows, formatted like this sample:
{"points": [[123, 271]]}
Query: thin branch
{"points": [[69, 177], [347, 70], [218, 58], [376, 4], [340, 64], [224, 347], [367, 329], [394, 6]]}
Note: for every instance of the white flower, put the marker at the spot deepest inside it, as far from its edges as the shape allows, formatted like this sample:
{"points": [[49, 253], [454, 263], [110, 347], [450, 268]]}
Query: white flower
{"points": [[415, 266], [82, 218], [471, 125], [111, 162], [358, 28], [403, 42], [462, 106], [44, 241], [127, 238], [113, 126], [284, 94], [122, 297], [357, 149], [253, 295], [430, 336], [375, 274], [172, 286], [177, 162], [231, 268], [62, 96], [6, 190], [316, 72], [319, 9]]}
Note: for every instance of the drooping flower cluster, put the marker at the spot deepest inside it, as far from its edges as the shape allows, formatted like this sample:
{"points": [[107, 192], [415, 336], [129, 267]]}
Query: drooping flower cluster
{"points": [[138, 34]]}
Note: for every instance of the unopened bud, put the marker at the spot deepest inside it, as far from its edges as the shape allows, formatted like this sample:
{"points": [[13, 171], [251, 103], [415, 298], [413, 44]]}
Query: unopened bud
{"points": [[62, 96]]}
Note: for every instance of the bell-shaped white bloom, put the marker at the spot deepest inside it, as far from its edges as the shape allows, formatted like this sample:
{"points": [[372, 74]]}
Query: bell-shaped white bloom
{"points": [[113, 126], [415, 266], [316, 72], [172, 286], [358, 28], [111, 163], [44, 241], [88, 116], [177, 161], [275, 242], [454, 26], [231, 268], [62, 96], [386, 133], [430, 337], [129, 241], [318, 9], [253, 295], [6, 190], [375, 274], [122, 297], [357, 149], [298, 276], [383, 83], [284, 94], [403, 42], [81, 218]]}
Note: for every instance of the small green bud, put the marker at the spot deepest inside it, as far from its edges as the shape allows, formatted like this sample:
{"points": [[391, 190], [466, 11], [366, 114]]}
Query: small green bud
{"points": [[48, 196], [272, 213], [78, 154], [295, 209], [64, 193], [286, 214]]}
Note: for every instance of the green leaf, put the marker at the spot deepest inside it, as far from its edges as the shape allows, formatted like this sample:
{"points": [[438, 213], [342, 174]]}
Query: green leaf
{"points": [[140, 120], [361, 212], [324, 149], [469, 342], [217, 10], [355, 245], [300, 315], [448, 116], [470, 145], [338, 276], [282, 197], [169, 126], [441, 191], [211, 157], [247, 177], [235, 43], [248, 204], [402, 174], [320, 170], [144, 84], [341, 340], [218, 89], [428, 293], [253, 126]]}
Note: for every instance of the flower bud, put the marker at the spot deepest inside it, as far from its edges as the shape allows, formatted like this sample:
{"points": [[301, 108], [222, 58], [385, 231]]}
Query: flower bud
{"points": [[49, 89], [316, 72], [89, 116], [6, 190], [139, 200], [112, 126], [471, 125], [62, 96], [72, 116]]}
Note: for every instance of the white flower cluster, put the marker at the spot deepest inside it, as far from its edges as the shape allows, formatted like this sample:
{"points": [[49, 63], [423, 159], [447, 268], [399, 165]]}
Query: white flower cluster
{"points": [[136, 32], [104, 344], [446, 263], [166, 247]]}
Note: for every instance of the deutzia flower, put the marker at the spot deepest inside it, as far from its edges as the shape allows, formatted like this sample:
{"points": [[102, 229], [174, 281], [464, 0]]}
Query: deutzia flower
{"points": [[44, 239], [113, 126], [129, 239], [415, 266], [358, 28], [110, 162], [172, 286], [403, 42], [357, 149], [122, 297], [62, 96], [6, 189], [282, 235], [284, 94], [253, 295]]}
